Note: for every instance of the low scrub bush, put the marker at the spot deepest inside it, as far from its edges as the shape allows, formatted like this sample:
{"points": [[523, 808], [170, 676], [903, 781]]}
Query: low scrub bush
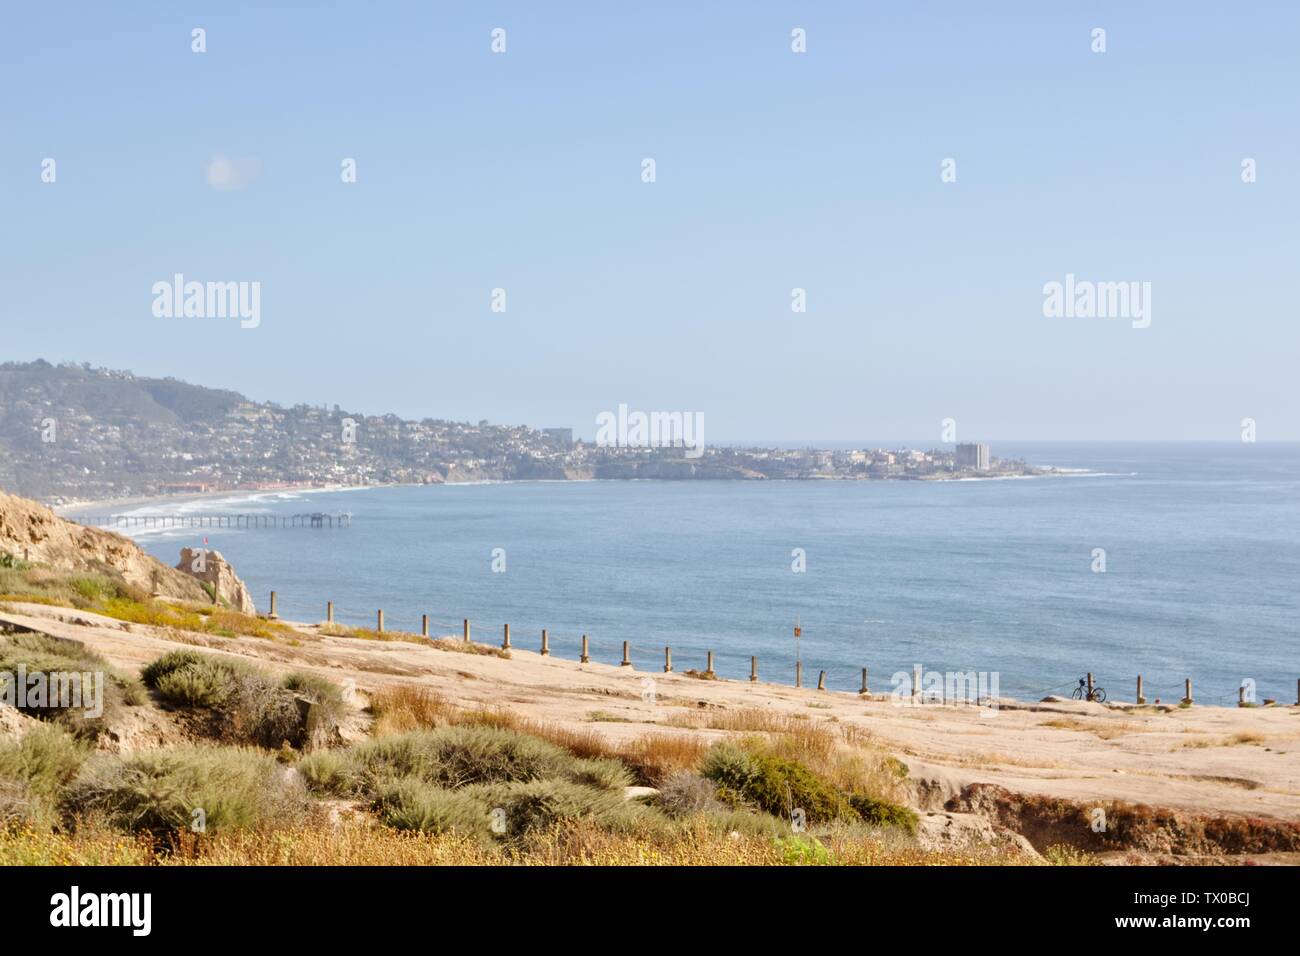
{"points": [[326, 708], [540, 804], [23, 581], [410, 804], [158, 792], [242, 704], [773, 784], [221, 621], [44, 759], [78, 683], [33, 769], [883, 813], [685, 793], [451, 757]]}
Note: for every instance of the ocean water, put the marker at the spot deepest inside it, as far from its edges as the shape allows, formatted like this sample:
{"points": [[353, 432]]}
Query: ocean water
{"points": [[1202, 546]]}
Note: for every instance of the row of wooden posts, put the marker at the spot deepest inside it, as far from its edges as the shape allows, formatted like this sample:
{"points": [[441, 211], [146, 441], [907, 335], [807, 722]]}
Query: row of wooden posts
{"points": [[585, 658]]}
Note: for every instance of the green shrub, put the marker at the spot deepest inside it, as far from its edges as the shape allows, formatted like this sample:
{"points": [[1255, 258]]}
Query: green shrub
{"points": [[33, 769], [25, 581], [260, 711], [803, 851], [170, 663], [91, 589], [411, 804], [601, 773], [456, 756], [539, 804], [882, 813], [44, 759], [9, 562], [202, 684], [62, 659], [158, 792], [744, 823], [773, 784], [330, 772], [327, 707], [246, 705]]}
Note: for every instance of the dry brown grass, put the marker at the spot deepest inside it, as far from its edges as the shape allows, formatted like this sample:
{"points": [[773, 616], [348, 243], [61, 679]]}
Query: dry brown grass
{"points": [[843, 754], [1105, 729], [406, 707], [656, 756], [652, 756], [985, 759], [459, 646], [581, 741], [370, 634], [813, 737], [357, 842], [1236, 740]]}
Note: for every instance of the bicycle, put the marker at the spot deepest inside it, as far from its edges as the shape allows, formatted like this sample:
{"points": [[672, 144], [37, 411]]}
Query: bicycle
{"points": [[1098, 693]]}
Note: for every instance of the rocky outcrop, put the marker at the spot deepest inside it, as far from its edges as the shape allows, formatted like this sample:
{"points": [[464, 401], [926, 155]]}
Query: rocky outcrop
{"points": [[31, 532], [212, 569]]}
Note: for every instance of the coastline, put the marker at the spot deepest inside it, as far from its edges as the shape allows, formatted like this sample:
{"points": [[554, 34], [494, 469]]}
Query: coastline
{"points": [[81, 506]]}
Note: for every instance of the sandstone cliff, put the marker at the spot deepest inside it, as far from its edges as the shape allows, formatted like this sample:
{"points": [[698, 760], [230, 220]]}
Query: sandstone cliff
{"points": [[31, 532], [212, 569]]}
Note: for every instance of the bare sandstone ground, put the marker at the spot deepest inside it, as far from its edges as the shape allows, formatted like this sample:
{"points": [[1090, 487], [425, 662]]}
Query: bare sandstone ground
{"points": [[1210, 760]]}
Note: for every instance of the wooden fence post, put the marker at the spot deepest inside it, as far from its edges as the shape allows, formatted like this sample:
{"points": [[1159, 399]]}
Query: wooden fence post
{"points": [[505, 640], [379, 621], [821, 681], [546, 645], [466, 630], [627, 661], [1188, 699], [864, 682], [329, 612], [668, 660], [1141, 698], [708, 669], [585, 658], [273, 615], [424, 625], [753, 671], [798, 673]]}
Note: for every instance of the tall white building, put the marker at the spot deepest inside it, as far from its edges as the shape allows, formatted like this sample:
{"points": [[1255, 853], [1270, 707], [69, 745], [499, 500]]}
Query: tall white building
{"points": [[973, 455]]}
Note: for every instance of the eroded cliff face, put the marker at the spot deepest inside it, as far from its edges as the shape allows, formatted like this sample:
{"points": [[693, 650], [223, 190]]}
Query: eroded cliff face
{"points": [[209, 567], [31, 532]]}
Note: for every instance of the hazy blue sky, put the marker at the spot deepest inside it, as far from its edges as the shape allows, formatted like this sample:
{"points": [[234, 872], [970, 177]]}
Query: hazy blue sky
{"points": [[775, 170]]}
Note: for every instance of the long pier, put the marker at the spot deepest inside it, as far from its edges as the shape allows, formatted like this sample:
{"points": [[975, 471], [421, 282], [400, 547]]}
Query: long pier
{"points": [[314, 519]]}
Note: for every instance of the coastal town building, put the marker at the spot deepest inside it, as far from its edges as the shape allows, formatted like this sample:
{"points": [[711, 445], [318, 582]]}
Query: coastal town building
{"points": [[973, 455]]}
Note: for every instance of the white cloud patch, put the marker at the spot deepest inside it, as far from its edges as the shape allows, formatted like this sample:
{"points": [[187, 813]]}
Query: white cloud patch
{"points": [[226, 173]]}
